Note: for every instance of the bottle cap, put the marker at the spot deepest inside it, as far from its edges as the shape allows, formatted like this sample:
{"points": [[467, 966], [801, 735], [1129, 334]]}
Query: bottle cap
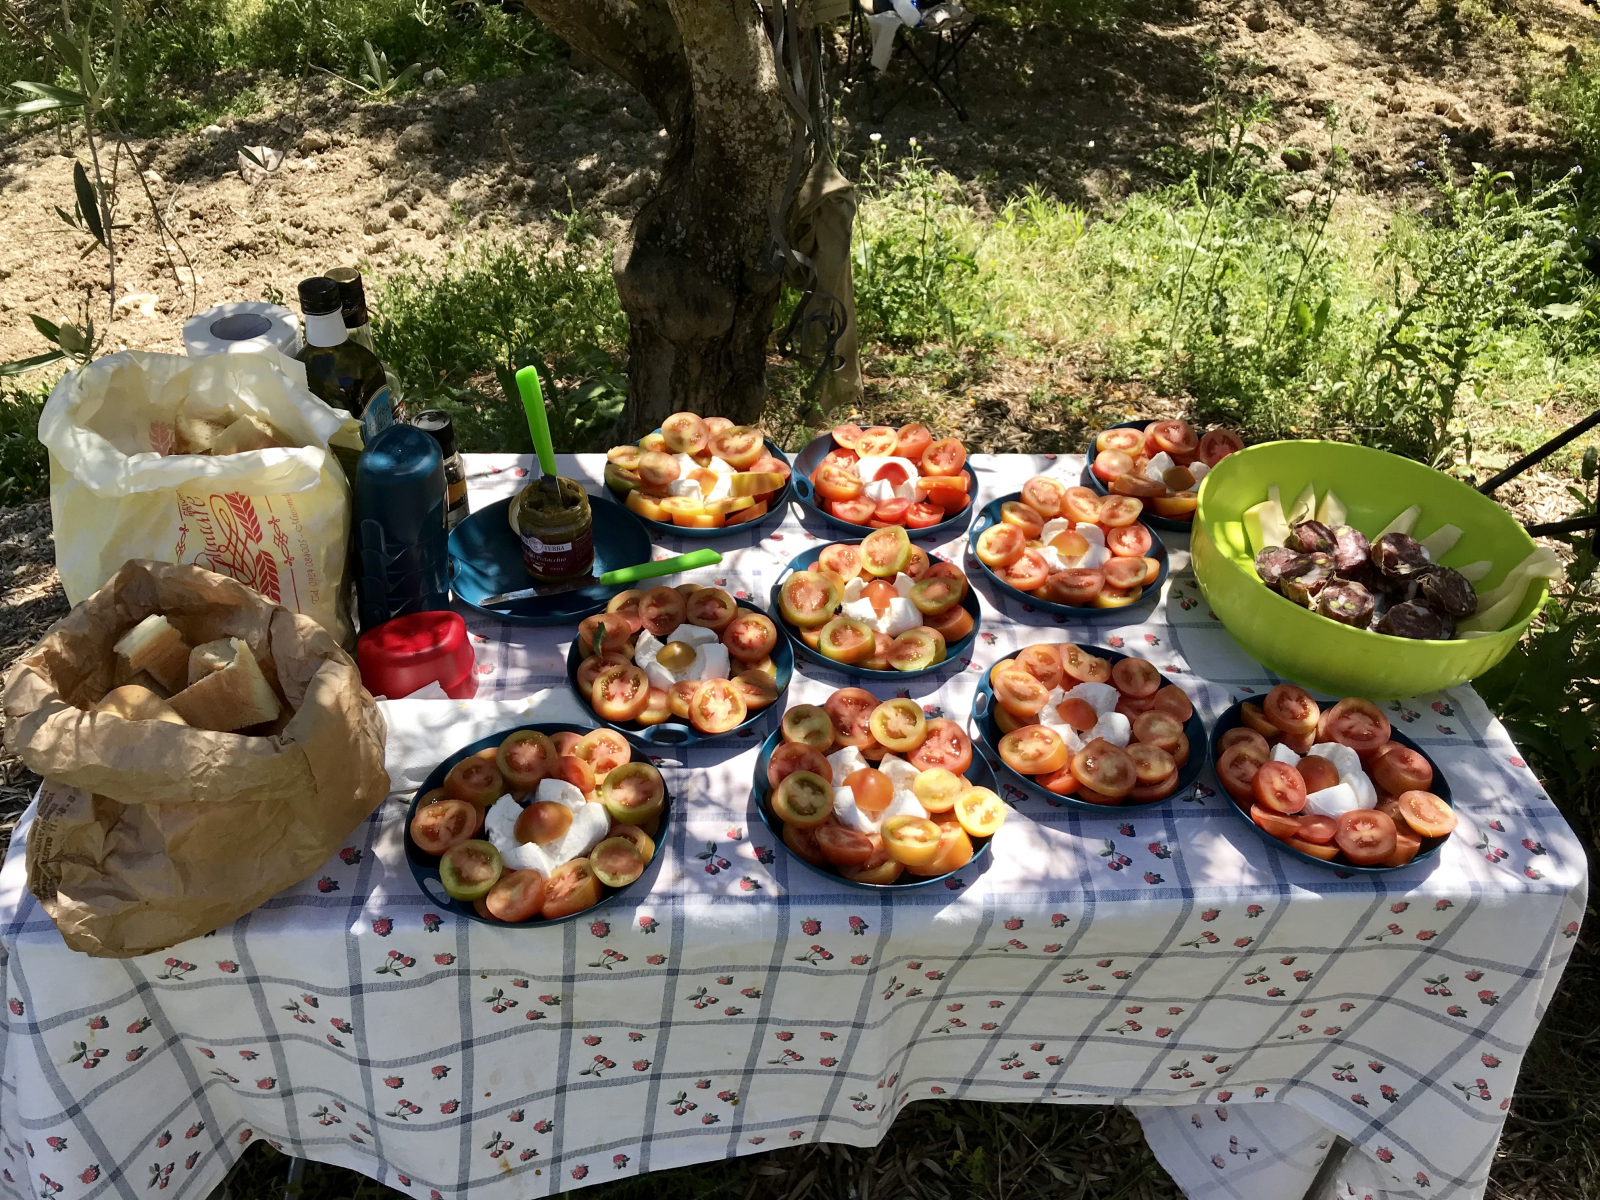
{"points": [[319, 295], [437, 422], [352, 295]]}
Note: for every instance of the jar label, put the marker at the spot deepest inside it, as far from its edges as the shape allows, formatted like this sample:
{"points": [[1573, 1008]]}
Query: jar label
{"points": [[377, 416], [558, 560]]}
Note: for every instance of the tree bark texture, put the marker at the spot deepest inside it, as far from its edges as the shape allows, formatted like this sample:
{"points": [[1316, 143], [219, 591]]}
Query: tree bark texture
{"points": [[692, 277]]}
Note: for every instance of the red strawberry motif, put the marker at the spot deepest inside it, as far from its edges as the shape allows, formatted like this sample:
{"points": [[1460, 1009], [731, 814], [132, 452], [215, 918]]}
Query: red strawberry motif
{"points": [[89, 1175], [1384, 1154], [827, 1062], [440, 1071], [327, 884], [228, 967], [382, 926], [99, 1023], [591, 1040], [811, 927], [641, 1064], [600, 928], [784, 1036], [449, 1106], [655, 960], [1058, 919], [1490, 1060], [1013, 924], [267, 1084], [15, 1006], [1210, 914], [394, 1081]]}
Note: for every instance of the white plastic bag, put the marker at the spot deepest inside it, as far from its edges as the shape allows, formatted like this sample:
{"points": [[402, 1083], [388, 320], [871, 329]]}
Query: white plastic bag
{"points": [[275, 519]]}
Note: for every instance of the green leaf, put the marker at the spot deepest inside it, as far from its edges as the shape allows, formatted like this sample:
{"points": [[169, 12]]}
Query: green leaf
{"points": [[1564, 312], [1321, 321], [68, 218], [48, 91], [251, 155], [73, 340], [22, 365], [28, 108], [1302, 317], [88, 202], [50, 330]]}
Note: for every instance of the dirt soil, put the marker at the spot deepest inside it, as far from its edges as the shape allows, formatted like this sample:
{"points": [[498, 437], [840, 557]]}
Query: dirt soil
{"points": [[1081, 115]]}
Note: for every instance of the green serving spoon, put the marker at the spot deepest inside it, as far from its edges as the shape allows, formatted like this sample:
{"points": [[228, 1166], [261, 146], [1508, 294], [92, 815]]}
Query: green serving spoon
{"points": [[618, 578]]}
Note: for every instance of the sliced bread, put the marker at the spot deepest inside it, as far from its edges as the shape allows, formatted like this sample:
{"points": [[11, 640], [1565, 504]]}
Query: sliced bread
{"points": [[134, 703], [153, 645], [232, 697]]}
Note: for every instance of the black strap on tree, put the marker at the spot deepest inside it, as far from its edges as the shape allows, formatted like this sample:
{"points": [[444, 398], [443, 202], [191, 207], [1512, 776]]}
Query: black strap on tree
{"points": [[791, 53]]}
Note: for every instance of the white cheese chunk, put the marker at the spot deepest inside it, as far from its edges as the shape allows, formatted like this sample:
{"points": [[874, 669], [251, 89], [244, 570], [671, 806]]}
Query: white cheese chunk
{"points": [[1054, 560], [590, 823], [902, 584], [1359, 783], [850, 815], [1333, 801], [1054, 526], [901, 773], [1092, 533], [1101, 697], [713, 661], [685, 464], [845, 763], [904, 804], [1198, 469], [861, 610], [906, 490], [693, 635], [900, 616], [722, 467], [869, 465], [647, 647], [853, 589], [559, 791], [500, 828], [1051, 719], [878, 490], [685, 487], [721, 490], [1282, 753], [1094, 558], [1345, 760], [1112, 726], [1160, 464]]}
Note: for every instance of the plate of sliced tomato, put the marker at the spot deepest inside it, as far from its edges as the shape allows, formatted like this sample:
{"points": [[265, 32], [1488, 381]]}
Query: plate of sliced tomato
{"points": [[945, 827], [445, 834], [806, 602], [1115, 459], [646, 475], [760, 662], [1161, 761], [1004, 545], [1415, 813], [827, 478]]}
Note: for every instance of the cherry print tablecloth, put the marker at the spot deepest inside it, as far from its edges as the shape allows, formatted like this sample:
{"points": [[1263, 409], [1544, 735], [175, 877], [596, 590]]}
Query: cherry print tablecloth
{"points": [[1249, 1006]]}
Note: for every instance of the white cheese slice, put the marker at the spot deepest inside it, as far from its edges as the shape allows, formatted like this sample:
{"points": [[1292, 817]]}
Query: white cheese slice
{"points": [[902, 584], [685, 487], [1198, 469], [1054, 560], [1497, 606], [526, 857], [590, 823], [1345, 760], [906, 490], [1363, 787], [559, 791], [853, 589], [685, 464], [869, 465], [1474, 571], [1282, 753], [878, 490], [1264, 524], [904, 804], [1054, 526], [1094, 558], [647, 647], [1305, 506], [845, 762], [1101, 697], [1405, 522], [1332, 512], [722, 467], [722, 489], [1057, 695], [861, 610], [1333, 801], [900, 616], [1160, 464], [901, 773], [1092, 534], [1051, 719], [1112, 726], [713, 661]]}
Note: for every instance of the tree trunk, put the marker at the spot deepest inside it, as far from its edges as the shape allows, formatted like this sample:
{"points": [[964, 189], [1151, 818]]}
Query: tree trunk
{"points": [[693, 277]]}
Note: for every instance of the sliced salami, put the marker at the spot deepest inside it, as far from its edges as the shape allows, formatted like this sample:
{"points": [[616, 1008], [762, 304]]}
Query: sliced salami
{"points": [[1400, 556], [1272, 562], [1304, 579], [1351, 549], [1346, 603], [1310, 536], [1413, 619], [1448, 592]]}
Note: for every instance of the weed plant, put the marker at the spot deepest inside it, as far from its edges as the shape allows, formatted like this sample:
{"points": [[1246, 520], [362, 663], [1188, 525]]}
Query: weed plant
{"points": [[24, 466]]}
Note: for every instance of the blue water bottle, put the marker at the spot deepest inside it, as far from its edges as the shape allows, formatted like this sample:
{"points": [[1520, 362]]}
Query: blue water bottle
{"points": [[402, 556]]}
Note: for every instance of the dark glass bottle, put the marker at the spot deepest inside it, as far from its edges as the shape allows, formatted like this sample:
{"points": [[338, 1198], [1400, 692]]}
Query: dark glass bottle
{"points": [[340, 372]]}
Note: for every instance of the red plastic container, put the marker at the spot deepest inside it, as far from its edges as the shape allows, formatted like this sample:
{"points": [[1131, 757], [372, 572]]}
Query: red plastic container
{"points": [[410, 652]]}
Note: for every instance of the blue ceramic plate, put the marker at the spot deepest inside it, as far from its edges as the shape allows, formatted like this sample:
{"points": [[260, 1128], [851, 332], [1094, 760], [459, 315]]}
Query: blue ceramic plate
{"points": [[486, 559], [978, 775], [818, 449], [661, 529], [952, 653], [988, 736], [677, 732], [1095, 484], [1231, 719], [1082, 615], [425, 866]]}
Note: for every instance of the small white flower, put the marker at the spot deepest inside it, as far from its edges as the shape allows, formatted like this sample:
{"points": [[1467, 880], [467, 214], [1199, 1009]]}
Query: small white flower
{"points": [[876, 137], [911, 141], [1091, 144], [582, 267]]}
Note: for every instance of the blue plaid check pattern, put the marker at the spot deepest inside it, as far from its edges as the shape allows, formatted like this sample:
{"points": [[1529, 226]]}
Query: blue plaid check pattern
{"points": [[1249, 1006]]}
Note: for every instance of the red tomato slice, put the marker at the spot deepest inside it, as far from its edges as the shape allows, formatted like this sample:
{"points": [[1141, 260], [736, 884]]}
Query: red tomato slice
{"points": [[1001, 545], [1105, 768], [1427, 815], [1124, 573], [516, 896], [1109, 464], [711, 608], [1083, 666], [620, 692], [1278, 786], [797, 756], [892, 511], [877, 442], [1026, 572], [923, 515], [1116, 511], [851, 710], [1135, 677], [1129, 541], [847, 435], [944, 457], [1320, 830], [1129, 441], [1359, 724], [1218, 444], [1043, 661], [844, 847], [1292, 709], [1077, 587], [443, 824], [1401, 769], [1062, 782], [892, 473], [1327, 853], [1317, 772], [1044, 495], [1175, 700], [1019, 692], [858, 511], [1080, 505], [946, 745], [1176, 438], [913, 441], [662, 610], [835, 481], [1236, 770], [750, 636], [1366, 836], [1279, 825]]}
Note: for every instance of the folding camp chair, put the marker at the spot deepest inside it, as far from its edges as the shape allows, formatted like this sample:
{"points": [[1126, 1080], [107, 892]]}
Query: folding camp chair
{"points": [[934, 47]]}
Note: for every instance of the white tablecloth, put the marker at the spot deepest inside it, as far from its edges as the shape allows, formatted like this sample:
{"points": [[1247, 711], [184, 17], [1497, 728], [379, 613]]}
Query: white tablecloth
{"points": [[1248, 1005]]}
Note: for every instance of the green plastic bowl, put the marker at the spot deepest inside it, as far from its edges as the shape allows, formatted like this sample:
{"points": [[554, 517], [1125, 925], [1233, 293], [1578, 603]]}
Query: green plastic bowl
{"points": [[1312, 650]]}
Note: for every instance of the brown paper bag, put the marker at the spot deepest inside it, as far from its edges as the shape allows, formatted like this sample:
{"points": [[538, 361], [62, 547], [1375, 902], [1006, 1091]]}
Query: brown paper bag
{"points": [[150, 833]]}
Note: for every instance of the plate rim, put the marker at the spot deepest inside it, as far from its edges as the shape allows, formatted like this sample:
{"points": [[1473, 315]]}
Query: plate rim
{"points": [[945, 528], [785, 494], [1095, 484]]}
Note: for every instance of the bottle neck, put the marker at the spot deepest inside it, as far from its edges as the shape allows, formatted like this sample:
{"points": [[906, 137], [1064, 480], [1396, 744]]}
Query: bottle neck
{"points": [[325, 329]]}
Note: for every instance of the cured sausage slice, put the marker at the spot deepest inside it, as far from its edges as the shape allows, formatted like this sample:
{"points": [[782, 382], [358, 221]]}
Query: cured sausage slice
{"points": [[1309, 536], [1347, 603], [1272, 562], [1448, 591], [1413, 619]]}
